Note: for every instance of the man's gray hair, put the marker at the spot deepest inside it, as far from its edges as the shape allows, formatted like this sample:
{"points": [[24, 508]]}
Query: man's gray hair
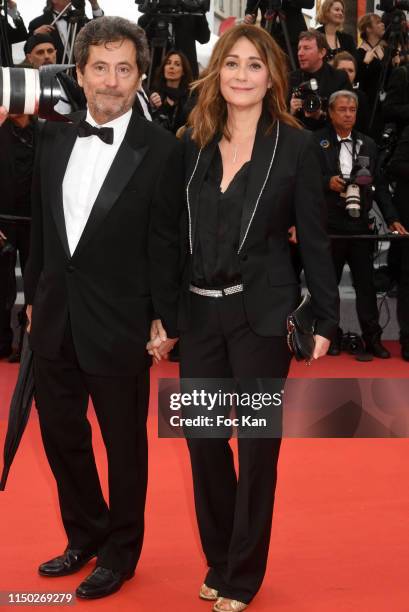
{"points": [[105, 30], [342, 93]]}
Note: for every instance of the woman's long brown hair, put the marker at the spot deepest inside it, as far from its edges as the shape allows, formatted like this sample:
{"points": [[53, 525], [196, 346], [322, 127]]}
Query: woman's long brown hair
{"points": [[209, 116]]}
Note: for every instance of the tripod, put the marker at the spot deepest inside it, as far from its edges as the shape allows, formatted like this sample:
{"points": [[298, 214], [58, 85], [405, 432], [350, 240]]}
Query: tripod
{"points": [[6, 58], [277, 17], [163, 40], [76, 19]]}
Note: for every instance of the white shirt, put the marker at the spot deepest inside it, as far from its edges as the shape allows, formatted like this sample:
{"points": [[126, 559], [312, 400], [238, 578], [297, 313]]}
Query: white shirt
{"points": [[345, 156], [87, 169]]}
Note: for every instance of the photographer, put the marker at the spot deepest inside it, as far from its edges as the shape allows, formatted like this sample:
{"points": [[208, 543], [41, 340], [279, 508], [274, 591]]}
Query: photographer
{"points": [[187, 30], [311, 109], [170, 91], [40, 51], [348, 162], [398, 170], [292, 12], [396, 104], [59, 31], [17, 142], [15, 34]]}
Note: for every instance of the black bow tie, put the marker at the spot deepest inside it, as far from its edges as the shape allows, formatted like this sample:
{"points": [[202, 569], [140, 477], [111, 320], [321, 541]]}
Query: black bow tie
{"points": [[105, 134], [345, 140]]}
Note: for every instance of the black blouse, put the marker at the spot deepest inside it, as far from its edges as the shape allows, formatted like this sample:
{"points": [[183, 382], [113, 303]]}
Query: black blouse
{"points": [[215, 258]]}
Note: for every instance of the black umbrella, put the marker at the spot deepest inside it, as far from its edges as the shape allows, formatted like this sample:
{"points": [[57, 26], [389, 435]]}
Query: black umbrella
{"points": [[19, 409]]}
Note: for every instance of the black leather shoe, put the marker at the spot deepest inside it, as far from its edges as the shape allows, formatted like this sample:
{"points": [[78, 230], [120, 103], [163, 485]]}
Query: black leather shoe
{"points": [[377, 349], [335, 346], [70, 562], [405, 352], [102, 582]]}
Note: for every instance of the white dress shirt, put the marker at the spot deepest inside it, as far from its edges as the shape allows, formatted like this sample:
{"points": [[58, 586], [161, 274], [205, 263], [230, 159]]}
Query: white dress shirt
{"points": [[345, 155], [88, 166]]}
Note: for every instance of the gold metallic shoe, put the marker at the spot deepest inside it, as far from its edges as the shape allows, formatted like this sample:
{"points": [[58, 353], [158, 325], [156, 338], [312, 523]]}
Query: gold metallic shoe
{"points": [[232, 605], [207, 593]]}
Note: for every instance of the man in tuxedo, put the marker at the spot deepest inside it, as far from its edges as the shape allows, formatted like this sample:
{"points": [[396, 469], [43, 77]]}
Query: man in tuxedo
{"points": [[58, 31], [343, 152], [104, 263]]}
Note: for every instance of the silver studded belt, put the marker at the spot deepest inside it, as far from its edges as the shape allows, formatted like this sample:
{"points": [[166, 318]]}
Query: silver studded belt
{"points": [[216, 293]]}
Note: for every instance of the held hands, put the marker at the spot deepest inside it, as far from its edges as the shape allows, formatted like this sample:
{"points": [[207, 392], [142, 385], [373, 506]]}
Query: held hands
{"points": [[159, 345], [295, 105], [44, 29]]}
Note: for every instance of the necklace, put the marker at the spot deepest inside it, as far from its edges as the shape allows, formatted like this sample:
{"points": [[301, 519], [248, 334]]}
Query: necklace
{"points": [[235, 153]]}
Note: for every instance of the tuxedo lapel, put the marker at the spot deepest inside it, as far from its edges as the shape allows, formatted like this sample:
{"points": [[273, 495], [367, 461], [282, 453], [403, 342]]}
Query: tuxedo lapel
{"points": [[63, 145], [262, 159], [201, 165], [129, 156]]}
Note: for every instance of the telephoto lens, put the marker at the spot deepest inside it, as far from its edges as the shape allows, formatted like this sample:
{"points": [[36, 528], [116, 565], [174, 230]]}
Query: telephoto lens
{"points": [[26, 91]]}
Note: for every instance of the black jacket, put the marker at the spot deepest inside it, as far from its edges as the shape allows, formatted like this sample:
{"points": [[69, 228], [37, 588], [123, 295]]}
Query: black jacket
{"points": [[292, 190], [398, 170], [345, 42], [396, 104], [338, 219], [9, 176], [329, 80], [125, 268], [294, 18]]}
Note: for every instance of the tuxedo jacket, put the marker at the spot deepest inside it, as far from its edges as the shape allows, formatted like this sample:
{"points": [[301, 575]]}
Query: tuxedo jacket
{"points": [[125, 268], [284, 187]]}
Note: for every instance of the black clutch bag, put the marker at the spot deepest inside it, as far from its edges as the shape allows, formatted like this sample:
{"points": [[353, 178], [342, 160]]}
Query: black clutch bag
{"points": [[300, 327]]}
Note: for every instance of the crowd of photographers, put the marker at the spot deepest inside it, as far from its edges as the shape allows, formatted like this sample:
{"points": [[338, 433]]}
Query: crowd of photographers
{"points": [[354, 98]]}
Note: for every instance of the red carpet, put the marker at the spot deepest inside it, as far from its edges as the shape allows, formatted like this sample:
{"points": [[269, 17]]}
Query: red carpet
{"points": [[340, 539]]}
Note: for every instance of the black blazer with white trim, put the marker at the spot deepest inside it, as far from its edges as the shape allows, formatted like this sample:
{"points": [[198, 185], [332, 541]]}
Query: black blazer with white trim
{"points": [[284, 187]]}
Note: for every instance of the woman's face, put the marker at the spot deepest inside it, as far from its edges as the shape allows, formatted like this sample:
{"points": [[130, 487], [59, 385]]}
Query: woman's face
{"points": [[349, 68], [173, 70], [335, 14], [377, 27], [244, 78]]}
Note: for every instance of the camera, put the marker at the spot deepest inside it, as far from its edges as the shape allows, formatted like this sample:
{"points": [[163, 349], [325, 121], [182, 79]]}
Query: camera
{"points": [[31, 92], [360, 177], [391, 5], [174, 7], [306, 91]]}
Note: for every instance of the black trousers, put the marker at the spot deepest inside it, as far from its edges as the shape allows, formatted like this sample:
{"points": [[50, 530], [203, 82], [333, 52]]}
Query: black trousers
{"points": [[121, 405], [234, 513], [19, 237], [358, 255], [402, 305]]}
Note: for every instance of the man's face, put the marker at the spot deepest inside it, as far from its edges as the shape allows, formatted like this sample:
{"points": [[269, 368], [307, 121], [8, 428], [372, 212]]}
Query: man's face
{"points": [[110, 79], [42, 54], [343, 114], [310, 57]]}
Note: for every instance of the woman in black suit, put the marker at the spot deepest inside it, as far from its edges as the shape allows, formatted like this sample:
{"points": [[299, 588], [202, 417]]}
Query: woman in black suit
{"points": [[332, 16], [251, 172]]}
